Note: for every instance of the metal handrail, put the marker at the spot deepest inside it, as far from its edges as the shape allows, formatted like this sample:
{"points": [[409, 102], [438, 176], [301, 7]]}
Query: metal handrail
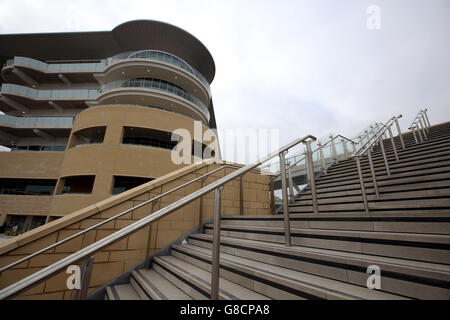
{"points": [[320, 147], [420, 125], [369, 143], [88, 252], [114, 217], [366, 149]]}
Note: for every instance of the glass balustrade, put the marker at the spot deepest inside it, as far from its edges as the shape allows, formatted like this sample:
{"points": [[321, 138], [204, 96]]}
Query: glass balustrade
{"points": [[57, 67], [36, 122], [159, 85], [101, 66], [163, 57], [35, 94]]}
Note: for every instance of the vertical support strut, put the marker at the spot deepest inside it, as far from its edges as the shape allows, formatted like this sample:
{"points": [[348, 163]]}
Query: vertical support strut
{"points": [[386, 163], [426, 117], [419, 133], [372, 171], [423, 129], [322, 158], [344, 144], [414, 134], [361, 182], [333, 149], [400, 134], [312, 179], [86, 271], [291, 186], [287, 227], [394, 148], [272, 195], [215, 271], [149, 239]]}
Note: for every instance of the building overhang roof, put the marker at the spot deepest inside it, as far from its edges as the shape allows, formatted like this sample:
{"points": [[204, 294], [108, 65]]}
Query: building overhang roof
{"points": [[129, 36]]}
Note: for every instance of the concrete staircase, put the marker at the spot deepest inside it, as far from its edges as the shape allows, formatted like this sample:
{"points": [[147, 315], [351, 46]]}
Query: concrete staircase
{"points": [[406, 234]]}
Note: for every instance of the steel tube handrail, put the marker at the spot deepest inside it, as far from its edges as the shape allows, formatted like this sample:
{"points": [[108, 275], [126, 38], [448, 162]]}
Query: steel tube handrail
{"points": [[84, 253], [320, 147], [362, 150], [366, 148], [113, 218]]}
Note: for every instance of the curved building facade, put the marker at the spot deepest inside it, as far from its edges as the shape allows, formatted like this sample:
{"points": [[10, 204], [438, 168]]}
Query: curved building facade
{"points": [[91, 114]]}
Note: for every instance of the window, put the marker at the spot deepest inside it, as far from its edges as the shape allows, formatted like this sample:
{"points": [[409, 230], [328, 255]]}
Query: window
{"points": [[122, 184], [88, 136], [78, 184], [30, 187], [38, 148], [148, 137]]}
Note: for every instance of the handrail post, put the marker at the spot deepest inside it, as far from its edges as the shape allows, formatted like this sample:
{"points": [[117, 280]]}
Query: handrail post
{"points": [[400, 134], [361, 182], [200, 211], [287, 227], [419, 133], [423, 128], [386, 163], [426, 117], [291, 186], [272, 195], [322, 158], [344, 144], [149, 239], [241, 196], [414, 134], [425, 122], [86, 271], [333, 150], [372, 171], [312, 180], [215, 271], [394, 148]]}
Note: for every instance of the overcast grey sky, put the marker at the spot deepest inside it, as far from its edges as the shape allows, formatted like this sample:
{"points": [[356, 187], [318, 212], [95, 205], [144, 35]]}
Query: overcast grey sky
{"points": [[300, 66]]}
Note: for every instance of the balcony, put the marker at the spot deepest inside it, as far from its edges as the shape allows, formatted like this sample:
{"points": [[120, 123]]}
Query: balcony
{"points": [[36, 122], [56, 67], [48, 95], [158, 86], [160, 56]]}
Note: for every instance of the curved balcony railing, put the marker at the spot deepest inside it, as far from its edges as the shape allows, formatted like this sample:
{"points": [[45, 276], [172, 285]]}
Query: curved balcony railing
{"points": [[158, 85], [36, 122], [36, 94], [56, 67], [162, 57]]}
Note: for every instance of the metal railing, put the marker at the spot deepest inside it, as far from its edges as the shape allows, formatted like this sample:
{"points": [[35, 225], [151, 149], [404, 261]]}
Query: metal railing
{"points": [[310, 166], [159, 85], [420, 126], [160, 56], [85, 256], [152, 200], [367, 148]]}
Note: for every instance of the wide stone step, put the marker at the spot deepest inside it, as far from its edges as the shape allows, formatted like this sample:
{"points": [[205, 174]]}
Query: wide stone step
{"points": [[412, 246], [409, 278], [275, 281], [121, 292], [156, 287], [196, 282], [441, 176], [406, 194], [437, 222]]}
